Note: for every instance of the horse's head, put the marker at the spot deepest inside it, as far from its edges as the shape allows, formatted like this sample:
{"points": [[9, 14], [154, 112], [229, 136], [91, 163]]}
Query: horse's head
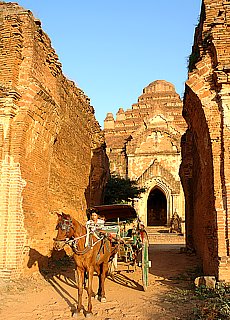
{"points": [[65, 230]]}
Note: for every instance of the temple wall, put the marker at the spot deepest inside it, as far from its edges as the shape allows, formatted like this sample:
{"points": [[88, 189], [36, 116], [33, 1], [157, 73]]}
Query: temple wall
{"points": [[49, 140], [205, 167]]}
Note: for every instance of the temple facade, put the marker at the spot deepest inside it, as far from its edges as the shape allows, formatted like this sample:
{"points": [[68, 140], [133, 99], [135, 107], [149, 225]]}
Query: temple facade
{"points": [[143, 144]]}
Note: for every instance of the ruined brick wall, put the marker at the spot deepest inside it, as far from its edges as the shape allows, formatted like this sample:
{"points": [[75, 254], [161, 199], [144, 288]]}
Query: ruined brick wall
{"points": [[205, 168], [48, 137], [143, 143]]}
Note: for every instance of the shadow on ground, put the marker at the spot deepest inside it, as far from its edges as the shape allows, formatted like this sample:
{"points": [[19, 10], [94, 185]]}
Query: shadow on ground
{"points": [[58, 270]]}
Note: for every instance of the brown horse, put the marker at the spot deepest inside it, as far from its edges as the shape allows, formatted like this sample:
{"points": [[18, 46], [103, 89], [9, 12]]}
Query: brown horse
{"points": [[90, 255]]}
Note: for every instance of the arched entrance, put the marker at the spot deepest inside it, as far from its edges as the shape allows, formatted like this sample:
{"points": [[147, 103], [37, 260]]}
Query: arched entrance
{"points": [[156, 208]]}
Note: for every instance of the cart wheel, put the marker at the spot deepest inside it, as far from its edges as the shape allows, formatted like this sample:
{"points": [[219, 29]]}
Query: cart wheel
{"points": [[145, 262]]}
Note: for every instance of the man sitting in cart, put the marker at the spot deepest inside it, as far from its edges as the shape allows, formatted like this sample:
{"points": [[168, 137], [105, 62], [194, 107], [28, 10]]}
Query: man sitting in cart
{"points": [[96, 224]]}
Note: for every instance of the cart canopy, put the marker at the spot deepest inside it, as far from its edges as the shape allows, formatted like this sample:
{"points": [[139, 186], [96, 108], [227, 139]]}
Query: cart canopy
{"points": [[116, 211]]}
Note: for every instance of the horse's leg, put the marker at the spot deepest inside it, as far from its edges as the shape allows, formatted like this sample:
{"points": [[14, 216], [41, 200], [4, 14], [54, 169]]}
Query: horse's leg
{"points": [[80, 273], [99, 282], [90, 291], [85, 279], [103, 273]]}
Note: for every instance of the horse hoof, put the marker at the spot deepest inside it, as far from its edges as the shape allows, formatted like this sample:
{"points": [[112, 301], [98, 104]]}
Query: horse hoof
{"points": [[88, 314], [96, 296], [75, 314], [103, 299]]}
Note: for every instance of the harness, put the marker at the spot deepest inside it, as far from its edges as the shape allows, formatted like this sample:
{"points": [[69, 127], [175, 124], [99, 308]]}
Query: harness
{"points": [[66, 225]]}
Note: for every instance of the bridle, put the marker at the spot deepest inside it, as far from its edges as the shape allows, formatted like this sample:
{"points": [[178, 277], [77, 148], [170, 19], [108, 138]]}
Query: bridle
{"points": [[65, 225]]}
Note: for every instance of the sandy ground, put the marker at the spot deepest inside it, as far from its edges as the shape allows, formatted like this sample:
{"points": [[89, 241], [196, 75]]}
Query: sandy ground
{"points": [[52, 295]]}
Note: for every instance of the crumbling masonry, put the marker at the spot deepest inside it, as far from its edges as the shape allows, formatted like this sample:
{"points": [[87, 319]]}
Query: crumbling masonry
{"points": [[205, 170], [52, 154]]}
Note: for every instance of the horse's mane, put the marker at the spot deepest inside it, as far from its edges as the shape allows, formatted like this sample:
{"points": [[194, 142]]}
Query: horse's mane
{"points": [[78, 225]]}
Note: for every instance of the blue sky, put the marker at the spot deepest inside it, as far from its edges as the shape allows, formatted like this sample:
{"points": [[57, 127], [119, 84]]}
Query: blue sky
{"points": [[113, 49]]}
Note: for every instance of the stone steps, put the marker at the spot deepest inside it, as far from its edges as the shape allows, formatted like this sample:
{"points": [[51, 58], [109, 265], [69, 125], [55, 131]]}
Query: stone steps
{"points": [[161, 235]]}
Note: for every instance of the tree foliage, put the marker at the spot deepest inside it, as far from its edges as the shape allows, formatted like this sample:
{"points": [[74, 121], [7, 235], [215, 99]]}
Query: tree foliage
{"points": [[121, 190]]}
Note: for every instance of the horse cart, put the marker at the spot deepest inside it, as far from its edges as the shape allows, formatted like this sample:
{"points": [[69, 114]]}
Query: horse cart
{"points": [[123, 223], [123, 237]]}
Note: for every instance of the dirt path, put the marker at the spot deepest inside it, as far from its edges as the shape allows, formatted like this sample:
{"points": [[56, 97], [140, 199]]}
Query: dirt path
{"points": [[53, 298]]}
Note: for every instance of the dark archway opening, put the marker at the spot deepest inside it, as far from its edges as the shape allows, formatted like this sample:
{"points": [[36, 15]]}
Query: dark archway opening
{"points": [[156, 208]]}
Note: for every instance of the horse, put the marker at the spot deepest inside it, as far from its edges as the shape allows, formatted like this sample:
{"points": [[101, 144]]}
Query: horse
{"points": [[91, 253]]}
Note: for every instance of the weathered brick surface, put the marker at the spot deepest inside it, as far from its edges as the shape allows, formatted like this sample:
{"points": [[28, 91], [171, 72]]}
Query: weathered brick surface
{"points": [[51, 147], [205, 168], [143, 143]]}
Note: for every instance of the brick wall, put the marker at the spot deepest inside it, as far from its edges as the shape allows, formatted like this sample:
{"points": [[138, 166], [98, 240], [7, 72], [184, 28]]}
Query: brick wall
{"points": [[205, 170], [49, 140]]}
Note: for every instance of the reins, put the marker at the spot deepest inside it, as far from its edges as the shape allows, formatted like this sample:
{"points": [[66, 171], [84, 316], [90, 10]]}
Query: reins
{"points": [[72, 242]]}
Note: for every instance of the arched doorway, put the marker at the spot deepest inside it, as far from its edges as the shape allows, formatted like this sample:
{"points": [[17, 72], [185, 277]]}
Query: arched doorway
{"points": [[156, 208]]}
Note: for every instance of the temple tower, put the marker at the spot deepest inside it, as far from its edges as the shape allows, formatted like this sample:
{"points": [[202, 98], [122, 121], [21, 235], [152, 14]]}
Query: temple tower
{"points": [[143, 143]]}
